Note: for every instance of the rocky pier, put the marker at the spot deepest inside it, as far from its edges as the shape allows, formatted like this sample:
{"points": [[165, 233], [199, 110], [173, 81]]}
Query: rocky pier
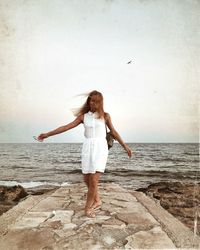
{"points": [[126, 220]]}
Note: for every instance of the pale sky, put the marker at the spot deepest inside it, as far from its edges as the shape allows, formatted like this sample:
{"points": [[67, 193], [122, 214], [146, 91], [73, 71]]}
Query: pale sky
{"points": [[51, 51]]}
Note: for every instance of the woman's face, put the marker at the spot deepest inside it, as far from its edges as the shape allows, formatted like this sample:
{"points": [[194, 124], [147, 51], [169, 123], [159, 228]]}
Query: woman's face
{"points": [[94, 103]]}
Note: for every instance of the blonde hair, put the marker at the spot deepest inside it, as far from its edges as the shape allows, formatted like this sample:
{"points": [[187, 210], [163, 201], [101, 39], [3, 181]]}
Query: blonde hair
{"points": [[86, 106]]}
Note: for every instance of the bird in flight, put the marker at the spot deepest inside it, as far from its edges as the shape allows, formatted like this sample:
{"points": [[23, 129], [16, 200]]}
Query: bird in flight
{"points": [[129, 62]]}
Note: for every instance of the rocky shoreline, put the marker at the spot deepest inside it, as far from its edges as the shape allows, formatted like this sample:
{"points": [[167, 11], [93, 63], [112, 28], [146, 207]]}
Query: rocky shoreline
{"points": [[126, 220], [181, 199], [12, 195]]}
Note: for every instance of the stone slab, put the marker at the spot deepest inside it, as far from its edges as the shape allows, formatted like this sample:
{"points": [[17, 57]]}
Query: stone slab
{"points": [[124, 221], [121, 196], [181, 235], [152, 239], [65, 216], [50, 204], [18, 211], [31, 220], [137, 218], [27, 239]]}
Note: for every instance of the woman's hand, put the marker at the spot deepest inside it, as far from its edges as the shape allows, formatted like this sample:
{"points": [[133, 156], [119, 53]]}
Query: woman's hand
{"points": [[41, 137], [128, 150]]}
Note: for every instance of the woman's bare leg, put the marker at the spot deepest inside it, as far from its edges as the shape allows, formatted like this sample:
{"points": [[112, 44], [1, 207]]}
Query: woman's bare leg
{"points": [[86, 179], [97, 200], [92, 191]]}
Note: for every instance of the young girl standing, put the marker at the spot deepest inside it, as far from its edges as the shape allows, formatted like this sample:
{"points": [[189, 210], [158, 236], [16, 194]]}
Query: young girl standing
{"points": [[95, 149]]}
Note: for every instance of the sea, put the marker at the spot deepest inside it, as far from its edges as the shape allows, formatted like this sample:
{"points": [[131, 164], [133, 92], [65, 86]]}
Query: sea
{"points": [[59, 164]]}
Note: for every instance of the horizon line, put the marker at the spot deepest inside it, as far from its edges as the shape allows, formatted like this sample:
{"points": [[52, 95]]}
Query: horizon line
{"points": [[82, 142]]}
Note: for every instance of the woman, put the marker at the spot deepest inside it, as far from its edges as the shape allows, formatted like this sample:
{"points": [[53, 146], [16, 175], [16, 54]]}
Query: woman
{"points": [[95, 148]]}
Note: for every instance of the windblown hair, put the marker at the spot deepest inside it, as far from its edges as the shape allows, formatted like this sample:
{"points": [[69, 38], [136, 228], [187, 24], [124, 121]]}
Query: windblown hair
{"points": [[86, 106]]}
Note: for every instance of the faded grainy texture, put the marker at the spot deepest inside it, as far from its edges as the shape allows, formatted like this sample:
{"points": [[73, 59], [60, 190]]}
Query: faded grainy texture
{"points": [[124, 221], [52, 50]]}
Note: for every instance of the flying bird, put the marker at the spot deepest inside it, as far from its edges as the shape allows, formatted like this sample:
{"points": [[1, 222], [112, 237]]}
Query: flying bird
{"points": [[129, 62]]}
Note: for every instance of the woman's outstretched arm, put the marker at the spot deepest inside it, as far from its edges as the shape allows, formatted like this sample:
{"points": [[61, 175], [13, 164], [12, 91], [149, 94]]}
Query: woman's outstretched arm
{"points": [[116, 135], [62, 129]]}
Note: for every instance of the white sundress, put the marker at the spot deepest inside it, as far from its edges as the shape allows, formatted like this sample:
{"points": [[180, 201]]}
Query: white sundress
{"points": [[95, 149]]}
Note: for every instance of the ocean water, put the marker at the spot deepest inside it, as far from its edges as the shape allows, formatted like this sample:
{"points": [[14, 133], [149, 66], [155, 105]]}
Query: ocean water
{"points": [[34, 164]]}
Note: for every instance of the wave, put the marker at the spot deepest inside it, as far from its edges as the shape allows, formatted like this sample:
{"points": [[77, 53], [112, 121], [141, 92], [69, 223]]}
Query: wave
{"points": [[186, 153], [65, 162], [175, 160], [155, 173], [24, 157], [164, 159], [32, 184], [12, 167]]}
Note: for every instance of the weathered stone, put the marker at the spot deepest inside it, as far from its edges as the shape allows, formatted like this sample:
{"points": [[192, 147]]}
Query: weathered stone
{"points": [[76, 207], [31, 220], [42, 189], [97, 219], [152, 239], [113, 187], [179, 199], [112, 209], [52, 224], [137, 218], [61, 192], [49, 204], [63, 216], [63, 233], [128, 206], [115, 235], [109, 240], [14, 193], [181, 235], [75, 197], [121, 204], [122, 197], [10, 196], [81, 240], [106, 200], [10, 217], [33, 214], [69, 226], [27, 239], [121, 215], [113, 221], [185, 212], [79, 214], [114, 226]]}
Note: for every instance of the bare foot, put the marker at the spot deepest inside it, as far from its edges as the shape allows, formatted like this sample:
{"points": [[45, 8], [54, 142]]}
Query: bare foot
{"points": [[96, 205], [90, 213]]}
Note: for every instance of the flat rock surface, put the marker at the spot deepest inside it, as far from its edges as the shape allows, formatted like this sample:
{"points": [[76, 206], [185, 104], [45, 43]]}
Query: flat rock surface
{"points": [[126, 220], [180, 199], [10, 196]]}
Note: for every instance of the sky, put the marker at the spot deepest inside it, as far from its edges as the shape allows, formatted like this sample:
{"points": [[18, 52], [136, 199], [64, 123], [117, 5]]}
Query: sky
{"points": [[53, 51]]}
